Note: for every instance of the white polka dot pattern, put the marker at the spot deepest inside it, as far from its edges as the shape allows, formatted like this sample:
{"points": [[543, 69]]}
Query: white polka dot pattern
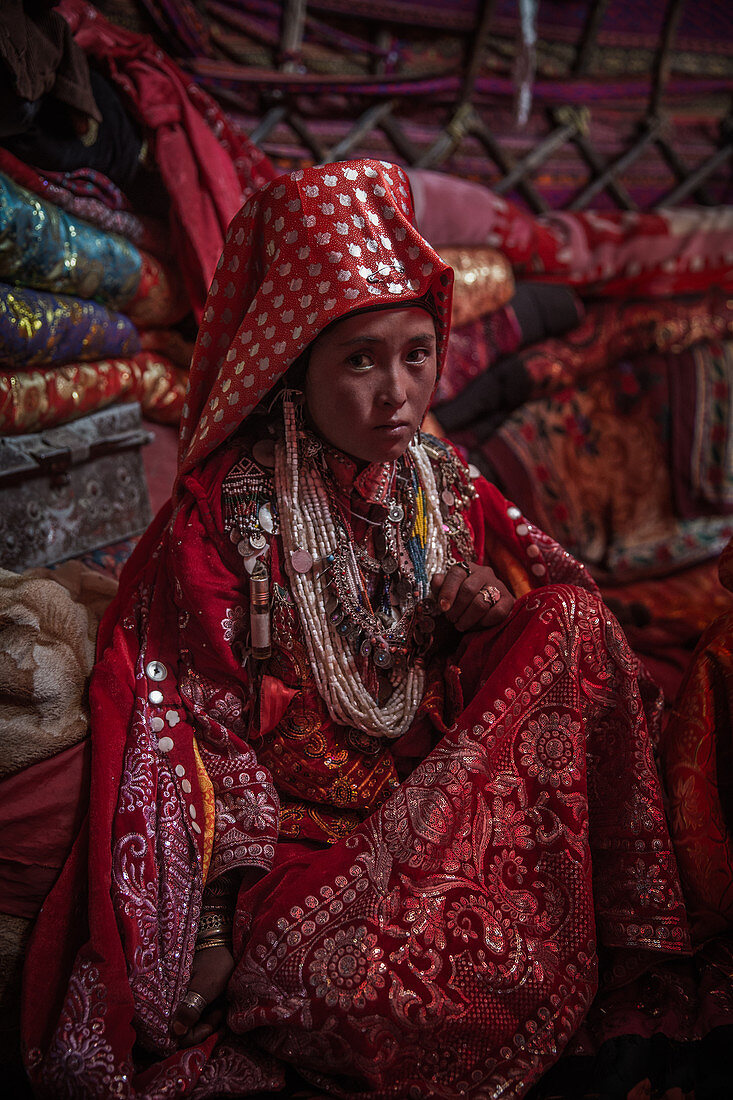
{"points": [[305, 250]]}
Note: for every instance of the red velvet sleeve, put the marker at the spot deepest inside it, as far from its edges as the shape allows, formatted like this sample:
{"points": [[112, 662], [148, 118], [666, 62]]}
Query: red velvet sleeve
{"points": [[211, 596]]}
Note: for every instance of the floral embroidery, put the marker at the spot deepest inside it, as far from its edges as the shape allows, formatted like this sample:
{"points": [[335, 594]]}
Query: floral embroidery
{"points": [[549, 749], [234, 624], [348, 970]]}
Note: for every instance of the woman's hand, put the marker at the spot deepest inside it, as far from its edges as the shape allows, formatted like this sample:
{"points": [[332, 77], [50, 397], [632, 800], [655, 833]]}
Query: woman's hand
{"points": [[471, 596], [197, 1015]]}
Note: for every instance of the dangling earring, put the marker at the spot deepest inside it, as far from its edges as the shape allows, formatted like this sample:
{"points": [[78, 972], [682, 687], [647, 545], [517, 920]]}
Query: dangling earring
{"points": [[285, 394]]}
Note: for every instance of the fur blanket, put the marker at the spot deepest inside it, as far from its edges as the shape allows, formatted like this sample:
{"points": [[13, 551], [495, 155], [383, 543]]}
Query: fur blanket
{"points": [[48, 629]]}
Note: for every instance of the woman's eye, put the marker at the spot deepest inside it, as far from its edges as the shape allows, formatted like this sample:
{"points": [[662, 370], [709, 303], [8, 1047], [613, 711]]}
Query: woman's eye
{"points": [[360, 361], [418, 355]]}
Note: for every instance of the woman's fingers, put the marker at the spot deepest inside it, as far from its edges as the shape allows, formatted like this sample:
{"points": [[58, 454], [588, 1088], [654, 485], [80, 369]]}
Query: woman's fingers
{"points": [[454, 590], [445, 586], [190, 1009], [205, 1027], [471, 596], [194, 1019], [486, 609]]}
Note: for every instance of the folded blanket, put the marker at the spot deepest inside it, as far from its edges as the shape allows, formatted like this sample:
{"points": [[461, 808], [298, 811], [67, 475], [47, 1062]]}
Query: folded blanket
{"points": [[613, 253], [481, 399], [48, 624], [483, 282], [80, 194], [160, 300], [31, 400], [38, 328], [590, 465], [535, 311], [45, 248]]}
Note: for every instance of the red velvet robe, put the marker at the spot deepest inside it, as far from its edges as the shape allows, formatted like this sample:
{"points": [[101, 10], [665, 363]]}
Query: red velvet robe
{"points": [[415, 918]]}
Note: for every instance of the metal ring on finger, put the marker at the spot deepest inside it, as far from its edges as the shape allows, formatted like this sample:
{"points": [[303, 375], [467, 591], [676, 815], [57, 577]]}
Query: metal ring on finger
{"points": [[463, 565], [195, 1001], [490, 595]]}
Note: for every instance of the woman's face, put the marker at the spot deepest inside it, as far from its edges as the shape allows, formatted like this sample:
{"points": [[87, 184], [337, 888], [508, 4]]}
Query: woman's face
{"points": [[369, 380]]}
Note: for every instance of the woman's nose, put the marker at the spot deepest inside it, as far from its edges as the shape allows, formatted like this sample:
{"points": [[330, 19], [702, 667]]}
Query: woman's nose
{"points": [[394, 390]]}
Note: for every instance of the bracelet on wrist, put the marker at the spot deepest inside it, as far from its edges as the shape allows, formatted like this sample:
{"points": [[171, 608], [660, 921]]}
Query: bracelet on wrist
{"points": [[215, 941], [213, 923]]}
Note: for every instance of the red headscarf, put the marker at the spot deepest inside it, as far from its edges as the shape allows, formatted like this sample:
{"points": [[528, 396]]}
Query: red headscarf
{"points": [[304, 251]]}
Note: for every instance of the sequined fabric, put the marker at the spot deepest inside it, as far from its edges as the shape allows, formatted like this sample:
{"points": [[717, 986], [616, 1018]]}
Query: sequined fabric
{"points": [[483, 282], [45, 248], [445, 942], [38, 329], [31, 400]]}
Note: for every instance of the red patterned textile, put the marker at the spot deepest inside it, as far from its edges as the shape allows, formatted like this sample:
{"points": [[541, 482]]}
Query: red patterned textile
{"points": [[664, 617], [145, 232], [160, 299], [206, 183], [170, 343], [475, 347], [614, 331], [614, 253], [591, 466], [696, 761], [417, 917], [47, 396]]}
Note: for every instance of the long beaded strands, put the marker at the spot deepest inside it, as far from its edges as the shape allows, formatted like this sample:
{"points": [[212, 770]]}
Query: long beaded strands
{"points": [[311, 540]]}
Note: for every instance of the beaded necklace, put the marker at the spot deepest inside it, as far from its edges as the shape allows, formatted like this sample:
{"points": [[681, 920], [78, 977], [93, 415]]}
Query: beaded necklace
{"points": [[351, 644]]}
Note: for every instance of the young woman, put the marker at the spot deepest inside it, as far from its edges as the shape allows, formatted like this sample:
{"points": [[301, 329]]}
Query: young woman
{"points": [[372, 771]]}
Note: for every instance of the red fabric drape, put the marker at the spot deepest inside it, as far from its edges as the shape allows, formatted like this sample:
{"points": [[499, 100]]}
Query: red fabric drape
{"points": [[208, 168]]}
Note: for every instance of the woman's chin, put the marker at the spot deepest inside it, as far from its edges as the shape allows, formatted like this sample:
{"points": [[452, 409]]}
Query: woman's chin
{"points": [[377, 445], [386, 444]]}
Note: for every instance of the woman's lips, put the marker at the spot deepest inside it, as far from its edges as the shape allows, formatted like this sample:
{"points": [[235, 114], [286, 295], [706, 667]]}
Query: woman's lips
{"points": [[393, 427]]}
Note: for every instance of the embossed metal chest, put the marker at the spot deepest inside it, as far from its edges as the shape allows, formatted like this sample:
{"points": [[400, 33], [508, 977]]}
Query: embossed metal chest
{"points": [[69, 490]]}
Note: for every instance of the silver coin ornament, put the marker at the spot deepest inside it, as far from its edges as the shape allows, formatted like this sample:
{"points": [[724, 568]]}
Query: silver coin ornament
{"points": [[301, 561], [396, 513]]}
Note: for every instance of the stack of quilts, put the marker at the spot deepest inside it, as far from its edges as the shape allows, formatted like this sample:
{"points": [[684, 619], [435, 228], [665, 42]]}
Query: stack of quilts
{"points": [[117, 183], [72, 299]]}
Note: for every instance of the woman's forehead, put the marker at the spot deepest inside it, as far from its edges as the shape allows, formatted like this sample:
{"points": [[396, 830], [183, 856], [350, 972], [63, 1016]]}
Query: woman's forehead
{"points": [[376, 323]]}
